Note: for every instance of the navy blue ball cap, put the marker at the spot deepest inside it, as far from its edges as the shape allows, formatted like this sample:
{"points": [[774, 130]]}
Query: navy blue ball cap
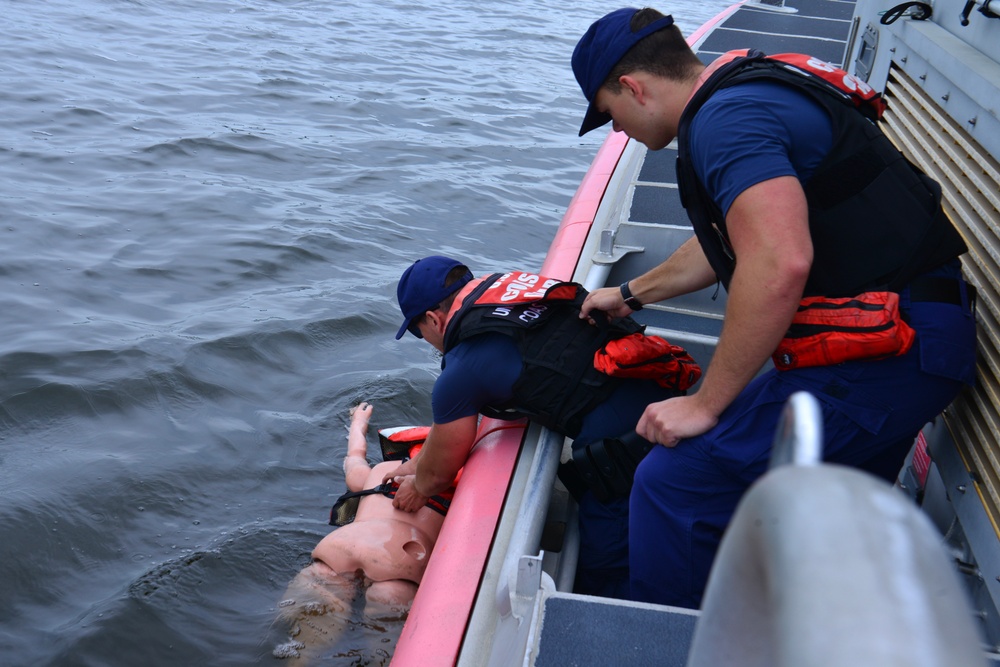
{"points": [[421, 288], [599, 50]]}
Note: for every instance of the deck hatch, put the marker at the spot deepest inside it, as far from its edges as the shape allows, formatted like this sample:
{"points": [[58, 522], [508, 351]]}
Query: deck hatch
{"points": [[971, 181]]}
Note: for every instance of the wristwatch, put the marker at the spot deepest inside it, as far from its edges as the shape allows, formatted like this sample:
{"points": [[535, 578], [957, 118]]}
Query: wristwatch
{"points": [[630, 300]]}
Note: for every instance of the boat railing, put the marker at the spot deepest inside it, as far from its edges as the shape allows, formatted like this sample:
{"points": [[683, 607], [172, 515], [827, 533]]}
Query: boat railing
{"points": [[824, 563], [770, 5], [799, 438], [521, 574], [501, 619]]}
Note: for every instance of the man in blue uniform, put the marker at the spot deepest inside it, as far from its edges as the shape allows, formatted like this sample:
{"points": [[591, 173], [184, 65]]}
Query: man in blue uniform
{"points": [[507, 348], [792, 193]]}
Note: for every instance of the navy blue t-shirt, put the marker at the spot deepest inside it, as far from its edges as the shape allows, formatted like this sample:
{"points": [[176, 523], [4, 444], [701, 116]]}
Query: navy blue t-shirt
{"points": [[756, 131], [478, 371]]}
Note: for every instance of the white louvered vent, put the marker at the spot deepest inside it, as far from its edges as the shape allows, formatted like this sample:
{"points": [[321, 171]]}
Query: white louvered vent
{"points": [[971, 182]]}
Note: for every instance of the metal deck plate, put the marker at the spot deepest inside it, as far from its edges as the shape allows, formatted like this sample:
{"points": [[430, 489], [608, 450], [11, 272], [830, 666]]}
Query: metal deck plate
{"points": [[586, 631]]}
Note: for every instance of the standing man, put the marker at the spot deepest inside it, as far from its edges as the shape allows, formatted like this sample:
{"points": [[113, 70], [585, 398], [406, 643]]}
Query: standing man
{"points": [[514, 345], [792, 193]]}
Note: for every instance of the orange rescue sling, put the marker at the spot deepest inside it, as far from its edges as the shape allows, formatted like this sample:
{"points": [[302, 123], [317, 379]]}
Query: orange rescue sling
{"points": [[829, 331]]}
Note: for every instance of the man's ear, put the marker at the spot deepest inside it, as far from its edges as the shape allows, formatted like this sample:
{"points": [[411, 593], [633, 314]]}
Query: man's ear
{"points": [[436, 319], [634, 86]]}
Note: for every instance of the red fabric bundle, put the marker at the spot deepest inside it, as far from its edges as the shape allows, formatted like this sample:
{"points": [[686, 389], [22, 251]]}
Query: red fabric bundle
{"points": [[828, 331], [648, 357]]}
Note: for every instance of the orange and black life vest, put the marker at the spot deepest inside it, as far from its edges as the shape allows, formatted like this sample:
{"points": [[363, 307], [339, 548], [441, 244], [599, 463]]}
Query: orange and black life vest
{"points": [[875, 219], [558, 384]]}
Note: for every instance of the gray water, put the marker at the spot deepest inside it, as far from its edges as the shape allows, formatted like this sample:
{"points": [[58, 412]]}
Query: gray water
{"points": [[204, 207]]}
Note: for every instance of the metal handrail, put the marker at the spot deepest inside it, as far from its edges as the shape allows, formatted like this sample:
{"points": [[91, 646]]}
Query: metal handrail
{"points": [[530, 521], [799, 438]]}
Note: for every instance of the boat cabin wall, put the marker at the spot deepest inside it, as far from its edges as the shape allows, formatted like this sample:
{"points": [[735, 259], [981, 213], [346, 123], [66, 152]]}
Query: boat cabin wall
{"points": [[942, 84], [958, 67]]}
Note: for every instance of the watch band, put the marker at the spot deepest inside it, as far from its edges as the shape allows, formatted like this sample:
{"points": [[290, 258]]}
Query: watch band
{"points": [[630, 300]]}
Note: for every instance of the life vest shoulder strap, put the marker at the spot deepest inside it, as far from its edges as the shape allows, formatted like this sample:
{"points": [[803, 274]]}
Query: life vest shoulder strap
{"points": [[746, 64], [346, 506]]}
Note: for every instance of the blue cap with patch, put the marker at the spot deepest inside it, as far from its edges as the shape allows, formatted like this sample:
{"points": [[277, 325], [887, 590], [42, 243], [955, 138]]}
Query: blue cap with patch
{"points": [[421, 288], [599, 50]]}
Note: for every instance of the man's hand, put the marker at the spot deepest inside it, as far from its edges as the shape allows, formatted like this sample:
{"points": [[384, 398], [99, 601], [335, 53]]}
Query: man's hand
{"points": [[670, 421], [407, 498], [408, 467], [608, 299]]}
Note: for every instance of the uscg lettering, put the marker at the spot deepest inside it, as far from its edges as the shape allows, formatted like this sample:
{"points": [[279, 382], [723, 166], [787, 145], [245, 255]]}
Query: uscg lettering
{"points": [[518, 288], [864, 97], [861, 94], [533, 312], [523, 298]]}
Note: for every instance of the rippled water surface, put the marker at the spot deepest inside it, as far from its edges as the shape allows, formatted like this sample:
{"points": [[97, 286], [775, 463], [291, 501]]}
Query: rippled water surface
{"points": [[204, 207]]}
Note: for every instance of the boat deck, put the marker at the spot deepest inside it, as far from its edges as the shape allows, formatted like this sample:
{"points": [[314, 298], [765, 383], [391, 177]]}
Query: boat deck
{"points": [[817, 27], [612, 633]]}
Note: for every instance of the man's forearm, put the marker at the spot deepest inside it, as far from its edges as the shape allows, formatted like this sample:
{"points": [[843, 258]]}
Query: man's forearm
{"points": [[756, 320], [685, 271], [428, 484], [443, 455]]}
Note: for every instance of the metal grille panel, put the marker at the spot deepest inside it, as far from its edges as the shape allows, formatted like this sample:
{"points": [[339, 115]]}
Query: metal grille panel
{"points": [[970, 179]]}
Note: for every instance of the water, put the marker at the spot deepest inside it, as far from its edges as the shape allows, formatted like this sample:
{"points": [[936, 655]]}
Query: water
{"points": [[204, 207]]}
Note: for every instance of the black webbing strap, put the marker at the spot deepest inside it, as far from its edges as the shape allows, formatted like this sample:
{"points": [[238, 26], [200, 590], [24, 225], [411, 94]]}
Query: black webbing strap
{"points": [[346, 506]]}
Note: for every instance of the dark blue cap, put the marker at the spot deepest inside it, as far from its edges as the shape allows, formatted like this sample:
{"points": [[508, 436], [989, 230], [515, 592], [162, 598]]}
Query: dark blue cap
{"points": [[422, 288], [599, 50]]}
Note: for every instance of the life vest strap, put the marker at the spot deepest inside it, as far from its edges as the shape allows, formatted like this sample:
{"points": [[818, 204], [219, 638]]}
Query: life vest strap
{"points": [[346, 507]]}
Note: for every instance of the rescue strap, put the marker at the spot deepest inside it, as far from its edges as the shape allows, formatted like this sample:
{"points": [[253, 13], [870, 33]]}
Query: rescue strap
{"points": [[639, 356], [346, 507], [398, 444], [827, 331]]}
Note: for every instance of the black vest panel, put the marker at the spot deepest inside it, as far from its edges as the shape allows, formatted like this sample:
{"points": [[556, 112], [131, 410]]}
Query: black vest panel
{"points": [[875, 219], [558, 384]]}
